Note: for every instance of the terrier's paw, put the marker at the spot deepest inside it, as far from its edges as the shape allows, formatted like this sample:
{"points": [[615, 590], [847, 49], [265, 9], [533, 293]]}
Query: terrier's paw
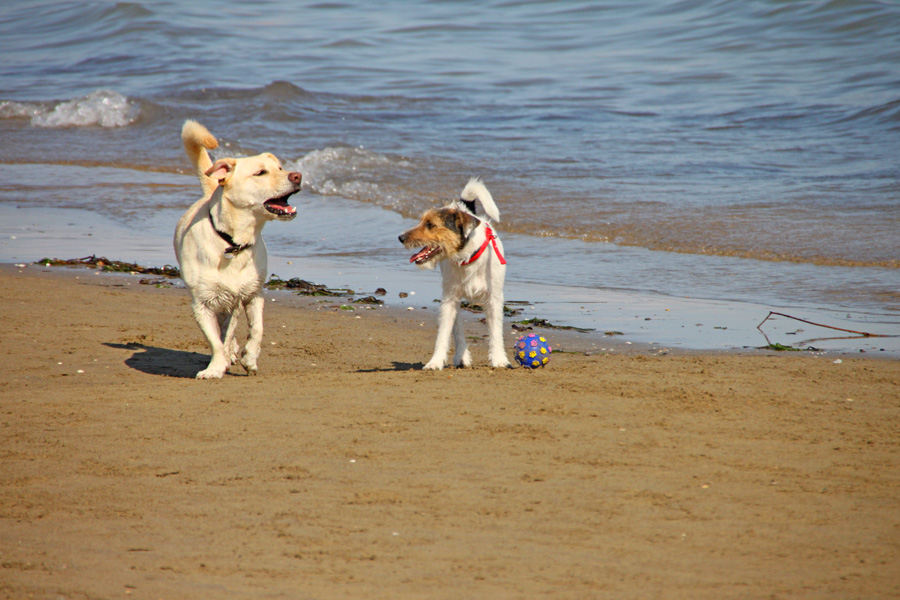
{"points": [[464, 361]]}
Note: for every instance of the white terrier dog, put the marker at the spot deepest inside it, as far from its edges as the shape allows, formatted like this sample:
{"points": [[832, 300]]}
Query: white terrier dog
{"points": [[472, 267], [219, 245]]}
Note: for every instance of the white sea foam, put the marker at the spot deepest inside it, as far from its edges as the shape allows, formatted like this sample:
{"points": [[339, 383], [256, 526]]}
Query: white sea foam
{"points": [[105, 108], [349, 172], [18, 110]]}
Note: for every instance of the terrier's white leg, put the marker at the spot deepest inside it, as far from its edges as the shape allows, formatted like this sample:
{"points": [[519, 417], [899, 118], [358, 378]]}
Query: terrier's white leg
{"points": [[449, 311], [494, 316], [461, 355]]}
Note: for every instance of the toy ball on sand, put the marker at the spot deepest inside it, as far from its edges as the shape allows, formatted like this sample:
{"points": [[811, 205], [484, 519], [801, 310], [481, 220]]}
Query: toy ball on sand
{"points": [[532, 351]]}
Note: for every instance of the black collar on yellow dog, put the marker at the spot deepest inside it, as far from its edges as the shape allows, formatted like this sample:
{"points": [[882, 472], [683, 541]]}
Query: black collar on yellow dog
{"points": [[232, 249]]}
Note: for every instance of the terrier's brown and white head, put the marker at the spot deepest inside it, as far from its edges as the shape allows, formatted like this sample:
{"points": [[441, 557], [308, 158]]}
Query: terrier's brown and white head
{"points": [[442, 233]]}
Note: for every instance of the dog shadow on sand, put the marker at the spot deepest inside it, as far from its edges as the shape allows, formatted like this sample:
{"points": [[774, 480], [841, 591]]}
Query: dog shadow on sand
{"points": [[163, 361], [178, 363], [397, 366]]}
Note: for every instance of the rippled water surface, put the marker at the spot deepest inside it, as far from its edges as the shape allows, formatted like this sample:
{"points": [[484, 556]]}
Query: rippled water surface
{"points": [[731, 150]]}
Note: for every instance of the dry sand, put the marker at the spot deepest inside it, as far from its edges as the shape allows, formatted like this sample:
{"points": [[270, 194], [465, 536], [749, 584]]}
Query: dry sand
{"points": [[344, 471]]}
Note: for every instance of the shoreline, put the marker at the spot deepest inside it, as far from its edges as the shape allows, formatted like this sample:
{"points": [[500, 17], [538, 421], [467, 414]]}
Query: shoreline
{"points": [[644, 317], [418, 312], [408, 305], [343, 470]]}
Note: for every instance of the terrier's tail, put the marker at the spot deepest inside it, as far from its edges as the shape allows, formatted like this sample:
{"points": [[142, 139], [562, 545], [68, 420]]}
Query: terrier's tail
{"points": [[476, 190]]}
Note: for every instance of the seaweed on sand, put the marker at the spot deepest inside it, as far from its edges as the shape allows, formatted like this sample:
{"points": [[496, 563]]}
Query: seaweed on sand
{"points": [[305, 288], [544, 323], [110, 266]]}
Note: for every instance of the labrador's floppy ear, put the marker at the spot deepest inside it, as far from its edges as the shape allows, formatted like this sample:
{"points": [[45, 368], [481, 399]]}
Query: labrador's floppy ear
{"points": [[222, 169]]}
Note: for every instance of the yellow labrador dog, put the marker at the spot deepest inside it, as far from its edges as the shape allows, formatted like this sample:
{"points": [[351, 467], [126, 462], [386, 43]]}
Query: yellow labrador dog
{"points": [[219, 246]]}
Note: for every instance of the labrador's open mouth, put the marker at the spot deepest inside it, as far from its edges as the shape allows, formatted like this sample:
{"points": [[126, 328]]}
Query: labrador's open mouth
{"points": [[280, 208]]}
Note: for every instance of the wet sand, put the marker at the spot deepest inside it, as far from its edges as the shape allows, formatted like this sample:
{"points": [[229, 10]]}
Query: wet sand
{"points": [[344, 471]]}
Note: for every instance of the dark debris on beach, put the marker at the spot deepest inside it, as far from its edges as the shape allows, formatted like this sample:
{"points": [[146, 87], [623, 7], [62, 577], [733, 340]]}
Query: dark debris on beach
{"points": [[305, 288], [111, 266], [300, 286], [477, 308], [545, 324]]}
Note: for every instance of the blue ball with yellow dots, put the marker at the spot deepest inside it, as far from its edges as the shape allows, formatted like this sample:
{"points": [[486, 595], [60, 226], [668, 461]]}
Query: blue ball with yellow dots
{"points": [[532, 351]]}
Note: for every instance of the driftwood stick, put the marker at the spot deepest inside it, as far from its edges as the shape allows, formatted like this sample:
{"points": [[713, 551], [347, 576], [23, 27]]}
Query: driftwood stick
{"points": [[862, 333]]}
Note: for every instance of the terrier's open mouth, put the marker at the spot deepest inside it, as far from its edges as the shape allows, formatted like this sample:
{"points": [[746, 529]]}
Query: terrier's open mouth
{"points": [[280, 208], [426, 253]]}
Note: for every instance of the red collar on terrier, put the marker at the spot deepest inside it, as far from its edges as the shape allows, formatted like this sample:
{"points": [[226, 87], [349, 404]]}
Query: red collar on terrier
{"points": [[489, 238]]}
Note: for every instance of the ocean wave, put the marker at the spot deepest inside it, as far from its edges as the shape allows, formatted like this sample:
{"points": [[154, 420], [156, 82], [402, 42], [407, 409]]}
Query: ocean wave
{"points": [[104, 108], [887, 113], [277, 90], [355, 173]]}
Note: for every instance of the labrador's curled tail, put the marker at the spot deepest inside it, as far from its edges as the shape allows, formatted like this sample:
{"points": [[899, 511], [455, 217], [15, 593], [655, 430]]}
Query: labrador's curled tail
{"points": [[197, 140]]}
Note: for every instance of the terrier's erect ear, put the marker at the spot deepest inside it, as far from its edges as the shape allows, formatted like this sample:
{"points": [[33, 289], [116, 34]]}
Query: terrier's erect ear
{"points": [[222, 169]]}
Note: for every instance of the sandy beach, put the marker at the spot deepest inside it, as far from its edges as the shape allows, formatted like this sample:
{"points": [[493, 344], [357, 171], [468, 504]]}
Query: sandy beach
{"points": [[344, 471]]}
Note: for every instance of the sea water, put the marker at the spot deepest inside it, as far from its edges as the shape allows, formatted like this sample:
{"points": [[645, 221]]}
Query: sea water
{"points": [[716, 159]]}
